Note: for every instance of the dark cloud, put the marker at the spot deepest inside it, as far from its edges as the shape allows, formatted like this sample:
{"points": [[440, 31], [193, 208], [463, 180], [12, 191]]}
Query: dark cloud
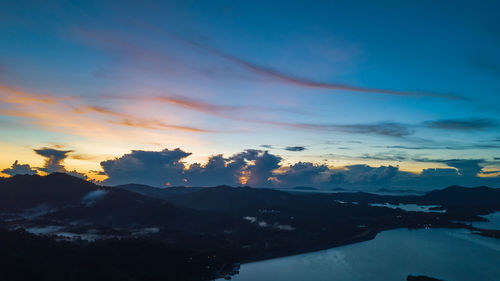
{"points": [[439, 172], [409, 147], [489, 172], [159, 168], [390, 129], [447, 147], [366, 175], [259, 168], [303, 174], [465, 167], [217, 171], [386, 156], [462, 124], [295, 148], [19, 169], [267, 146], [53, 159], [156, 168]]}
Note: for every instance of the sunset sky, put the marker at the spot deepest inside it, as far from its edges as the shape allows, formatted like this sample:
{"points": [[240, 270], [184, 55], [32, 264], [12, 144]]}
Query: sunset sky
{"points": [[341, 85]]}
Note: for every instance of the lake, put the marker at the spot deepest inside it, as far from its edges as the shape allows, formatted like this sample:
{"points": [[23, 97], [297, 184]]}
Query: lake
{"points": [[448, 254]]}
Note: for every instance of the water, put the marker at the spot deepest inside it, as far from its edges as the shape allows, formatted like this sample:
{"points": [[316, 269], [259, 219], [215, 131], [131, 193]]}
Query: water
{"points": [[410, 207], [494, 221], [441, 253]]}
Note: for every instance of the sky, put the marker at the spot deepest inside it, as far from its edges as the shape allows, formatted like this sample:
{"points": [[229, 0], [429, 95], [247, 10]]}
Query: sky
{"points": [[400, 94]]}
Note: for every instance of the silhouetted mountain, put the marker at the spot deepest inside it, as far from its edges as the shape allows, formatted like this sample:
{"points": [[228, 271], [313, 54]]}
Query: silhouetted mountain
{"points": [[22, 192], [458, 195], [225, 198], [62, 197], [421, 278], [239, 223], [157, 192], [305, 188]]}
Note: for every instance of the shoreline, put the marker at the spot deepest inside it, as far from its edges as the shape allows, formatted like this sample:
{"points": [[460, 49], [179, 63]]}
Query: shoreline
{"points": [[367, 236]]}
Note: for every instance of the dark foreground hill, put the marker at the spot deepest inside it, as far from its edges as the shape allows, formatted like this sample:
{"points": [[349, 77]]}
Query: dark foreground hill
{"points": [[93, 232]]}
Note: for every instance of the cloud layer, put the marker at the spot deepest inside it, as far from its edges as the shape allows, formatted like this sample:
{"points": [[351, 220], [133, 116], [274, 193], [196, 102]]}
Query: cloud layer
{"points": [[260, 168], [19, 169]]}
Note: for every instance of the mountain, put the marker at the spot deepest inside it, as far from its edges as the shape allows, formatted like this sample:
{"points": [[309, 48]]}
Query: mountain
{"points": [[225, 198], [60, 198], [232, 224], [23, 192], [157, 192]]}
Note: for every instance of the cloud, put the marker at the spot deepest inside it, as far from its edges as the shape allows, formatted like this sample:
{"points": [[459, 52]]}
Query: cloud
{"points": [[266, 146], [133, 121], [53, 159], [295, 148], [156, 168], [217, 171], [386, 156], [12, 95], [365, 175], [159, 168], [19, 169], [259, 168], [447, 147], [470, 124], [279, 76], [158, 59], [303, 174], [468, 167], [465, 167], [439, 172], [390, 129], [92, 197]]}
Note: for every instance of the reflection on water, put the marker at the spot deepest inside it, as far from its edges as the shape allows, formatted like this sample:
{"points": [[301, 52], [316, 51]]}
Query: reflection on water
{"points": [[393, 255]]}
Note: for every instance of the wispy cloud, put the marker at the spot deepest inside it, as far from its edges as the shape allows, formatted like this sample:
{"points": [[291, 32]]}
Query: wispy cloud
{"points": [[155, 58], [391, 129], [299, 81], [12, 95], [462, 124], [295, 148], [133, 121]]}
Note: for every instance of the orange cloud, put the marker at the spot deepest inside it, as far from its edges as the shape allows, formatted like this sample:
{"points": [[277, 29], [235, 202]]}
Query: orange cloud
{"points": [[11, 95], [132, 121]]}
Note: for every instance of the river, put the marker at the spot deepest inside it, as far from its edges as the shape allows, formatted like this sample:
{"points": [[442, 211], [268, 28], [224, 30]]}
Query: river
{"points": [[448, 254]]}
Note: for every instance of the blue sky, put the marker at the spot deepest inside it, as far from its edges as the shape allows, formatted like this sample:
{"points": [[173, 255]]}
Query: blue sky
{"points": [[391, 83]]}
